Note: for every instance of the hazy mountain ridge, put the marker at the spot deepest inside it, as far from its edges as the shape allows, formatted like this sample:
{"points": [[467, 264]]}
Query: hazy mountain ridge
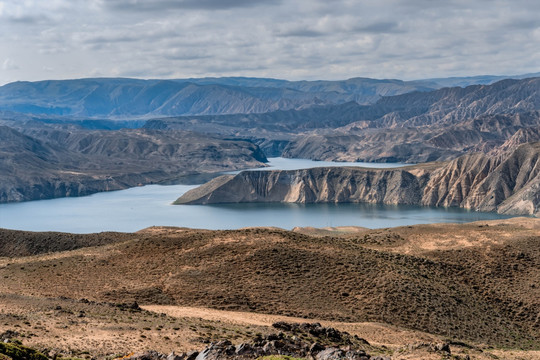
{"points": [[507, 184], [117, 98], [123, 97], [441, 142], [107, 98], [453, 105], [439, 125]]}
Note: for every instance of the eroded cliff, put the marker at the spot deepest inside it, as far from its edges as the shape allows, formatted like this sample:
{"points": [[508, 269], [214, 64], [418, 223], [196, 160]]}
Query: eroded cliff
{"points": [[507, 183]]}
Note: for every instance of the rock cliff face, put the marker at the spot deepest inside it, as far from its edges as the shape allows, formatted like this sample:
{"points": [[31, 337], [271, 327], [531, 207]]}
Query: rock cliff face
{"points": [[522, 136], [507, 184], [394, 186]]}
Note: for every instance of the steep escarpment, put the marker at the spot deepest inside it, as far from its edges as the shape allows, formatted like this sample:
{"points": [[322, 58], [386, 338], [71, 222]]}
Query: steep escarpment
{"points": [[455, 183], [388, 186], [507, 184]]}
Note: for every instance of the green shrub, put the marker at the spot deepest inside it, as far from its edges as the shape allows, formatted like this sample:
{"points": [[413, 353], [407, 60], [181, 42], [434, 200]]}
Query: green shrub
{"points": [[19, 352]]}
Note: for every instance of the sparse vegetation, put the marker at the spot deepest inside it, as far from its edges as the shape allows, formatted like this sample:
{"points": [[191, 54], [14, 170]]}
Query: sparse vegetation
{"points": [[434, 278], [16, 351]]}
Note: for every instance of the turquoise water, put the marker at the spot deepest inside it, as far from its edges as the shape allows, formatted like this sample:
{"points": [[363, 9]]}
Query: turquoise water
{"points": [[137, 208]]}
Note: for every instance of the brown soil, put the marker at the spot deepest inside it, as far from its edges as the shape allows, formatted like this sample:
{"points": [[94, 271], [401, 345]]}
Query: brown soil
{"points": [[475, 282], [87, 329]]}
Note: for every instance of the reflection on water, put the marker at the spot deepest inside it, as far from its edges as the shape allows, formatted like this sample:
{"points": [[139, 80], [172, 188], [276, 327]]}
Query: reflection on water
{"points": [[137, 208]]}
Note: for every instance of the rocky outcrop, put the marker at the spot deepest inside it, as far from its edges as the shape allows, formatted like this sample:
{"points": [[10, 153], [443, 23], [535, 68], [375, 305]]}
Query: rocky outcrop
{"points": [[326, 344], [507, 184], [520, 137], [387, 186], [455, 183]]}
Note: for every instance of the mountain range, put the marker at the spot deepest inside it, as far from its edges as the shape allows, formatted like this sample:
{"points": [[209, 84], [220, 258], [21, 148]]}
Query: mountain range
{"points": [[79, 150], [436, 291], [134, 98], [413, 127]]}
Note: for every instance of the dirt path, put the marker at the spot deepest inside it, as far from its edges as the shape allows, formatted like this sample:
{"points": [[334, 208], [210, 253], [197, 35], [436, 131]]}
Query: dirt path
{"points": [[375, 333]]}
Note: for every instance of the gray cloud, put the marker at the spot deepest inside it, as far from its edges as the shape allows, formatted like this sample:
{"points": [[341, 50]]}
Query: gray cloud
{"points": [[28, 19], [385, 27], [165, 5], [300, 33], [302, 39]]}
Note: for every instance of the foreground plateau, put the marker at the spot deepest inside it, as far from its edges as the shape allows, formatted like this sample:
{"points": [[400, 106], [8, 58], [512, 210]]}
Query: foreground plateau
{"points": [[425, 291]]}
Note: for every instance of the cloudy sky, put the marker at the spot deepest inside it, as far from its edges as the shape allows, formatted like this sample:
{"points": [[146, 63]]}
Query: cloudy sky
{"points": [[300, 39]]}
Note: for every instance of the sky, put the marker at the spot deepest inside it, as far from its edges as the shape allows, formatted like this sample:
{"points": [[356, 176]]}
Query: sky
{"points": [[299, 39]]}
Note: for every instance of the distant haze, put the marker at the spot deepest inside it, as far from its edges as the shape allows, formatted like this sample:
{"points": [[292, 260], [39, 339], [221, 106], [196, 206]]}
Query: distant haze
{"points": [[303, 39]]}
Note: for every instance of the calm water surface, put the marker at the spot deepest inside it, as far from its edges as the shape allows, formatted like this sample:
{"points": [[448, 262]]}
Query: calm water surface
{"points": [[137, 208]]}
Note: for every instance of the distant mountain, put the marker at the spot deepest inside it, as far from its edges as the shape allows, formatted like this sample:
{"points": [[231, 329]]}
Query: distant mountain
{"points": [[358, 85], [47, 153], [287, 121], [445, 106], [124, 98], [361, 90], [454, 105], [120, 98], [413, 127], [471, 80]]}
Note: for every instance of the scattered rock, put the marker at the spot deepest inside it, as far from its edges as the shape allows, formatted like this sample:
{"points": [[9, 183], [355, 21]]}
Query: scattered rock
{"points": [[8, 335], [316, 348], [148, 355], [331, 354], [441, 347], [244, 349], [173, 356]]}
